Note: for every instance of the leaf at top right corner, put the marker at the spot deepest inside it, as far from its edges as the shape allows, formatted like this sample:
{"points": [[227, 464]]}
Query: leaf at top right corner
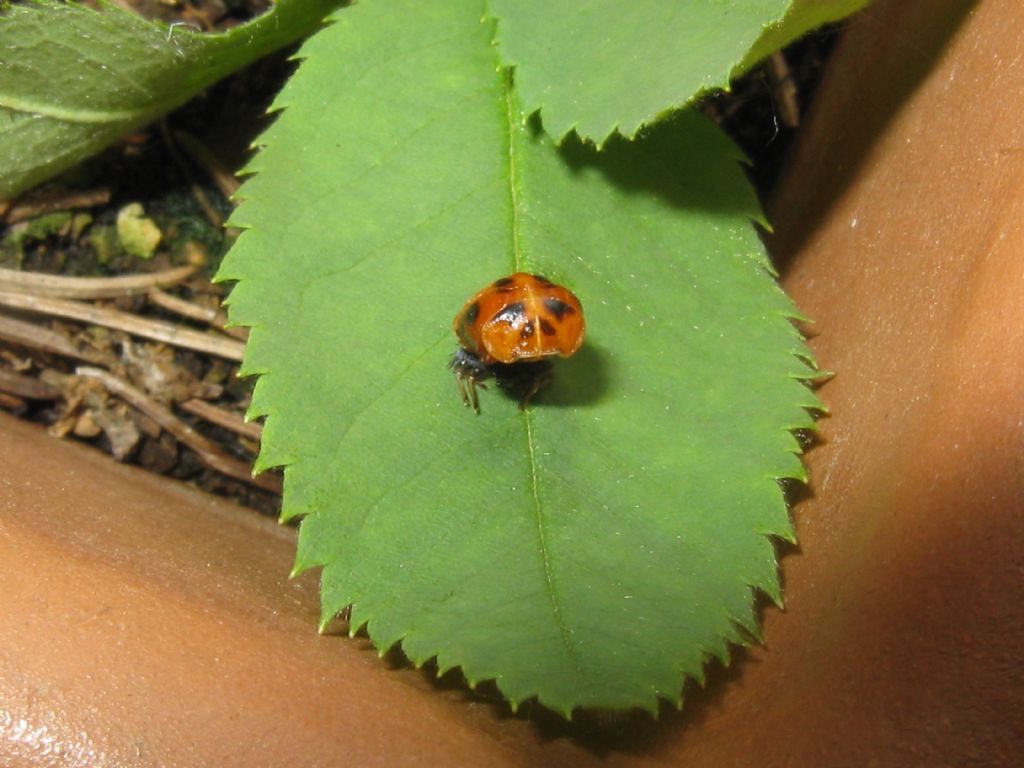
{"points": [[601, 66]]}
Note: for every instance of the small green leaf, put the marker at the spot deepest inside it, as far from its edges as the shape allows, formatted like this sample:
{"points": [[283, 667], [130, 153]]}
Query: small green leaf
{"points": [[601, 66], [598, 547], [72, 80]]}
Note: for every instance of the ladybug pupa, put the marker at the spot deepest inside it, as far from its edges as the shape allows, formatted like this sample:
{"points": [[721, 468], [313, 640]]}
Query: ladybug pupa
{"points": [[509, 330]]}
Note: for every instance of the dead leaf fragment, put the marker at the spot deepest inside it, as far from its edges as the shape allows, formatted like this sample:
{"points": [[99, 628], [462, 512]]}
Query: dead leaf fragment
{"points": [[139, 235]]}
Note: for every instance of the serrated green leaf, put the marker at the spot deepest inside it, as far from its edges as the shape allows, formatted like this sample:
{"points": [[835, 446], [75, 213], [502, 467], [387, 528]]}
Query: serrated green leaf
{"points": [[601, 66], [72, 80], [801, 18], [598, 547]]}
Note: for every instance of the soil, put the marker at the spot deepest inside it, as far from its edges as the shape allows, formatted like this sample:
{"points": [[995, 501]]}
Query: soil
{"points": [[183, 414]]}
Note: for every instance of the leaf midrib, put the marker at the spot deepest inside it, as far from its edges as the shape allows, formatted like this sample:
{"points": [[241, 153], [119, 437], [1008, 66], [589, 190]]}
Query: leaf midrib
{"points": [[89, 116], [517, 266]]}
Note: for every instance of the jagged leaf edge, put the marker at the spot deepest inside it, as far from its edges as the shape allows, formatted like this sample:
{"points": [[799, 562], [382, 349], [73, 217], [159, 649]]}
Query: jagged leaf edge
{"points": [[759, 50], [747, 627], [227, 272]]}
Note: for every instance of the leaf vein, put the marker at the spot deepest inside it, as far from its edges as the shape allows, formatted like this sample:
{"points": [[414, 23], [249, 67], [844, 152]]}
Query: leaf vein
{"points": [[545, 554], [381, 394], [363, 256], [408, 138], [549, 576], [413, 53], [437, 457], [88, 116], [512, 176]]}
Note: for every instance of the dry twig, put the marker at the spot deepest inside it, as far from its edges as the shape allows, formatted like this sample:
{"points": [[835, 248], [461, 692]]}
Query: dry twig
{"points": [[201, 155], [211, 213], [168, 333], [215, 318], [59, 287], [35, 336], [784, 90], [223, 418], [27, 208], [208, 452], [27, 387]]}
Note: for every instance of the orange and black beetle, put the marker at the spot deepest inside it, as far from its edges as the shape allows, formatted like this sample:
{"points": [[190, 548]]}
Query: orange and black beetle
{"points": [[509, 328]]}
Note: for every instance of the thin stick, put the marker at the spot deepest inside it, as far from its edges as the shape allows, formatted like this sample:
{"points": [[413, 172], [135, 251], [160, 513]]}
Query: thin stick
{"points": [[784, 89], [208, 452], [58, 287], [201, 155], [215, 318], [157, 330], [36, 337], [222, 418], [28, 208], [211, 213], [11, 403], [26, 386]]}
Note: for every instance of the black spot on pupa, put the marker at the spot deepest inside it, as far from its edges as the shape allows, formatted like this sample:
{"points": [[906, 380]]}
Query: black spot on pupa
{"points": [[542, 280], [558, 308], [546, 328], [505, 285], [527, 331], [509, 313], [472, 312]]}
